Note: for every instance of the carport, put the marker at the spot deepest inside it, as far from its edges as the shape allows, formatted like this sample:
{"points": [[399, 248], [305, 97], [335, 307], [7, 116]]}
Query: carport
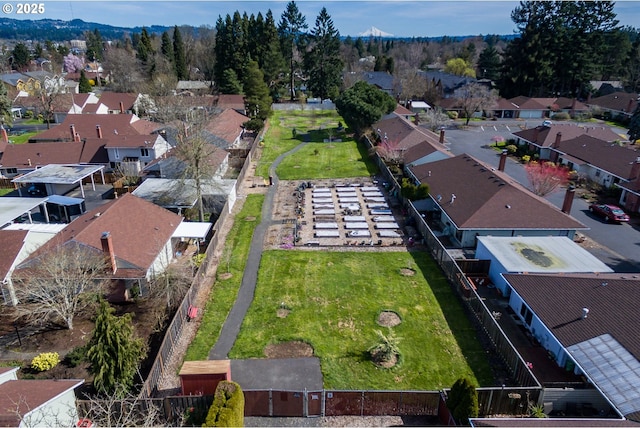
{"points": [[60, 179], [13, 208], [192, 230]]}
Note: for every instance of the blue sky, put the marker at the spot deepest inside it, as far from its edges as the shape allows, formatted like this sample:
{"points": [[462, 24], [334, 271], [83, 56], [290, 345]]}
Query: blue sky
{"points": [[400, 18]]}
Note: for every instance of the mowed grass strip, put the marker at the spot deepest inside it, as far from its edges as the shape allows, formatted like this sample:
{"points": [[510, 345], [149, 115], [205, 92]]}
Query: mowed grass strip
{"points": [[229, 277], [327, 160], [334, 299]]}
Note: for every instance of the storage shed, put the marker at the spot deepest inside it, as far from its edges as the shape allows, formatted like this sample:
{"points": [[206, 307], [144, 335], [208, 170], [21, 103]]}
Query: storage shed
{"points": [[202, 377]]}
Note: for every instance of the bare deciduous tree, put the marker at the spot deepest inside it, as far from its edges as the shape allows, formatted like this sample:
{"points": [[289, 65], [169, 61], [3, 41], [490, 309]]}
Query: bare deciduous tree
{"points": [[473, 98], [434, 118], [122, 409], [60, 283]]}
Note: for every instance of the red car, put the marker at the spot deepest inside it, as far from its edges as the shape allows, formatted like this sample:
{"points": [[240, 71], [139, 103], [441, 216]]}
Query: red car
{"points": [[609, 212]]}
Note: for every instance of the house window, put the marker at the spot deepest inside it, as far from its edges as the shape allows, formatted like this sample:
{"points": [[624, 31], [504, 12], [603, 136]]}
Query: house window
{"points": [[597, 173], [12, 170], [526, 314], [144, 153]]}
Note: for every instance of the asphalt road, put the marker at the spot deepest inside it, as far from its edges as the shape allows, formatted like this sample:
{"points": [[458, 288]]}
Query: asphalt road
{"points": [[619, 243]]}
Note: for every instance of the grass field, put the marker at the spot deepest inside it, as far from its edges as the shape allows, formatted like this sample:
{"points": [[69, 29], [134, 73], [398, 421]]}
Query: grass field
{"points": [[21, 139], [230, 271], [334, 300], [287, 129]]}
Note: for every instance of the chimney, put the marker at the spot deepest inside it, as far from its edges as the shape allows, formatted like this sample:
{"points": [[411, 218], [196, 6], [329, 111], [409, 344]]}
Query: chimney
{"points": [[416, 119], [635, 170], [77, 138], [556, 143], [503, 160], [99, 131], [5, 136], [73, 132], [441, 135], [107, 248], [630, 105], [585, 312], [29, 162], [121, 107], [568, 200]]}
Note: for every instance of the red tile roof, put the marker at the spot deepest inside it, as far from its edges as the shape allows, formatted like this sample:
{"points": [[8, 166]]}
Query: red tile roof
{"points": [[612, 300], [487, 198], [139, 231]]}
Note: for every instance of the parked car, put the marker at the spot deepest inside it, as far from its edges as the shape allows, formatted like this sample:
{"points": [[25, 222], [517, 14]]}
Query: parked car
{"points": [[609, 212]]}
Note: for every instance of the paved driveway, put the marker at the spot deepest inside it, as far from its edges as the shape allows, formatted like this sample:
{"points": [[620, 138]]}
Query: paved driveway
{"points": [[619, 243]]}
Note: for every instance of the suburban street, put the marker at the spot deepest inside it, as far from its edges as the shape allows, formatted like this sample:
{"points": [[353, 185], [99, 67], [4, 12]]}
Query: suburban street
{"points": [[619, 244]]}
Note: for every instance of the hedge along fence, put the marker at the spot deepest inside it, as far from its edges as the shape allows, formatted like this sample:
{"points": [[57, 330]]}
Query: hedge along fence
{"points": [[227, 409]]}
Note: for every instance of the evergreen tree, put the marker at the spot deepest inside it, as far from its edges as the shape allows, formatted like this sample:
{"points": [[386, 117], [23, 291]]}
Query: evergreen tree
{"points": [[634, 125], [145, 51], [113, 351], [84, 85], [21, 56], [5, 106], [166, 47], [489, 64], [257, 99], [363, 104], [95, 50], [323, 63], [291, 27], [180, 62], [360, 47], [229, 83]]}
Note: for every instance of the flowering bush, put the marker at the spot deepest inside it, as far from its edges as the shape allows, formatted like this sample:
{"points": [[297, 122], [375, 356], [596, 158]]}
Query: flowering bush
{"points": [[45, 361]]}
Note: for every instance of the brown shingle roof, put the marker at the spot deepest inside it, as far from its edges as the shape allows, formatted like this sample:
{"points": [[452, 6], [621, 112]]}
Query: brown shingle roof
{"points": [[10, 245], [403, 134], [113, 99], [487, 198], [85, 126], [227, 125], [612, 300], [610, 157], [545, 136], [139, 230], [133, 141], [19, 397], [617, 101], [39, 154]]}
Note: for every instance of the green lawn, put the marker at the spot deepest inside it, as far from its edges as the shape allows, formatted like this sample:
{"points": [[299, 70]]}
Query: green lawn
{"points": [[21, 139], [229, 276], [4, 192], [334, 299], [317, 160]]}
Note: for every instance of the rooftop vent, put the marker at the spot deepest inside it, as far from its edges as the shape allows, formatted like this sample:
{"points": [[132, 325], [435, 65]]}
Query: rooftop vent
{"points": [[585, 312]]}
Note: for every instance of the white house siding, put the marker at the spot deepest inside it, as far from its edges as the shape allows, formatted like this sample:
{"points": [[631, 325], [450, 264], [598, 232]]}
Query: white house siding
{"points": [[58, 412], [495, 269], [161, 262], [469, 236]]}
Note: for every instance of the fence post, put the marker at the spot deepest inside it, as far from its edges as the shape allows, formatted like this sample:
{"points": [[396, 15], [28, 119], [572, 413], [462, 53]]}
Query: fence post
{"points": [[362, 404], [270, 402], [305, 403]]}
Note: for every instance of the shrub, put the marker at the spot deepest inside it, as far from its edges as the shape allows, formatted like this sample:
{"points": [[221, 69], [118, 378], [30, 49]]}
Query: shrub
{"points": [[463, 400], [386, 347], [561, 116], [45, 361], [76, 356], [526, 158], [511, 148], [227, 409], [452, 115]]}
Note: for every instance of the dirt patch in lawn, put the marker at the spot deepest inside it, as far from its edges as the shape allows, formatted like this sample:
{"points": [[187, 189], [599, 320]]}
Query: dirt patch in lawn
{"points": [[388, 319], [407, 272], [294, 349]]}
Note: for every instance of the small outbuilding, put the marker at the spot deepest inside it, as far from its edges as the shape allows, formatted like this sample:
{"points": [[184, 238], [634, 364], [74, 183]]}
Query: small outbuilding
{"points": [[202, 377]]}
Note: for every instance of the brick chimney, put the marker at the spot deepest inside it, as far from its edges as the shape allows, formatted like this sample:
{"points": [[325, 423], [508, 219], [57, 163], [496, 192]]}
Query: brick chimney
{"points": [[72, 128], [556, 143], [99, 131], [441, 135], [5, 136], [568, 200], [121, 107], [503, 161], [107, 248], [77, 138]]}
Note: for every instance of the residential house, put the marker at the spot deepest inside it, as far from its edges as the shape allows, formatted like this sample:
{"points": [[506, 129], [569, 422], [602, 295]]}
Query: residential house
{"points": [[534, 254], [226, 130], [15, 246], [381, 80], [617, 105], [170, 166], [117, 103], [19, 159], [469, 199], [407, 142], [530, 108], [630, 197], [405, 113], [134, 152], [137, 237], [589, 324], [41, 402], [541, 139], [193, 87], [601, 162], [231, 101], [444, 84]]}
